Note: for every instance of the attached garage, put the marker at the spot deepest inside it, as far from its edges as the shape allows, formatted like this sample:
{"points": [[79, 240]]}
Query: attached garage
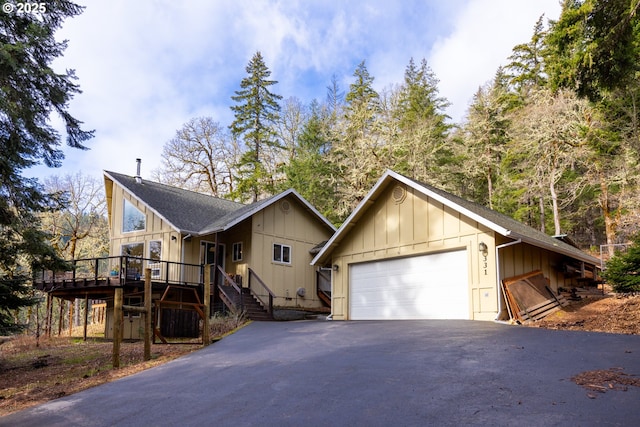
{"points": [[434, 286], [412, 251]]}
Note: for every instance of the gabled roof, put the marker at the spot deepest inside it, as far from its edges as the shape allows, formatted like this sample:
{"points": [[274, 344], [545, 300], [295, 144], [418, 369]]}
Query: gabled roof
{"points": [[194, 213], [496, 221], [234, 218]]}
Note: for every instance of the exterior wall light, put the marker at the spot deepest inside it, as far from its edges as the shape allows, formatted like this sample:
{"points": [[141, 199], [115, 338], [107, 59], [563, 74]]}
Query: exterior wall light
{"points": [[482, 247]]}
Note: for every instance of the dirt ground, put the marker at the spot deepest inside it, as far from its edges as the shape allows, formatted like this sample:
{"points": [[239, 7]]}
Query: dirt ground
{"points": [[616, 314], [31, 375]]}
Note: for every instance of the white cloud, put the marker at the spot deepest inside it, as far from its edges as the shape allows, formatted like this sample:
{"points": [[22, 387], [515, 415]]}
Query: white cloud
{"points": [[485, 33], [147, 67]]}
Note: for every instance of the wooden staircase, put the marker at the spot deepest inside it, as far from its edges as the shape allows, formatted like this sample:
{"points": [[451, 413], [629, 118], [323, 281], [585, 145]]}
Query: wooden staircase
{"points": [[246, 302]]}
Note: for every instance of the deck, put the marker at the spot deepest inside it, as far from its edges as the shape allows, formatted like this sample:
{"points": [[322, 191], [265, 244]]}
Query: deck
{"points": [[99, 277]]}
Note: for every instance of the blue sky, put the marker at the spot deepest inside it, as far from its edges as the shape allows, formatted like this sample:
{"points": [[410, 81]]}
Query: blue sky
{"points": [[148, 66]]}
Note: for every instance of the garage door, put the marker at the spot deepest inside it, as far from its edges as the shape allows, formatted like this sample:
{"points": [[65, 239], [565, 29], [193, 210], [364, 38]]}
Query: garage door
{"points": [[421, 287]]}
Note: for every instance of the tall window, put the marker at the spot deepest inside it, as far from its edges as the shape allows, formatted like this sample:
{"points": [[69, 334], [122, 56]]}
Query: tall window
{"points": [[155, 253], [155, 250], [133, 264], [281, 253], [237, 252], [133, 219]]}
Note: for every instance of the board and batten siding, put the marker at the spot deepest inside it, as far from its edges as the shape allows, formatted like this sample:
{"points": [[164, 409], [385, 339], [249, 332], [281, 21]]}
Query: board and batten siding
{"points": [[155, 228], [412, 225], [289, 223], [523, 258]]}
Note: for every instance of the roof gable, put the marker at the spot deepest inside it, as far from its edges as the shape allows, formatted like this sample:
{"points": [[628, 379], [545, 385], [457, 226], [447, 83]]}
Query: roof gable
{"points": [[496, 221], [186, 211], [234, 218]]}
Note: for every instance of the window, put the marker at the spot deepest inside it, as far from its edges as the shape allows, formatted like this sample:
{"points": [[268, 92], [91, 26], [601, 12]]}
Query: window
{"points": [[155, 253], [281, 253], [237, 252], [133, 264], [132, 218]]}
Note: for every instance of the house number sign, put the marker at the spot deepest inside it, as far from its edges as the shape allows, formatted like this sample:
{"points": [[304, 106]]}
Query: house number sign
{"points": [[484, 264]]}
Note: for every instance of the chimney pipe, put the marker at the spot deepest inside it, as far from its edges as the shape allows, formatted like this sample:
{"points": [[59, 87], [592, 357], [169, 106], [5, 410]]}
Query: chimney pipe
{"points": [[138, 177]]}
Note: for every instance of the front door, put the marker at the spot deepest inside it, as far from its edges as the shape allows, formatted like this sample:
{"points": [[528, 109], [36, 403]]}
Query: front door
{"points": [[208, 255]]}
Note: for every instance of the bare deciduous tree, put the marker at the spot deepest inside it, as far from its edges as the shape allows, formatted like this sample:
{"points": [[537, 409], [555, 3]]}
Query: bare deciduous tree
{"points": [[201, 157], [81, 229]]}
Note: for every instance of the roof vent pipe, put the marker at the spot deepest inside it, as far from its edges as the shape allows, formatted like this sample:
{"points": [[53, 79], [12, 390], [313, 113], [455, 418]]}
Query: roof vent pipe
{"points": [[138, 177]]}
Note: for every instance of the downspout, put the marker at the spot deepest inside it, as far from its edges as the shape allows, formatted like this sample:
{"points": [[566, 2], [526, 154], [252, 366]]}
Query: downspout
{"points": [[504, 245], [184, 239]]}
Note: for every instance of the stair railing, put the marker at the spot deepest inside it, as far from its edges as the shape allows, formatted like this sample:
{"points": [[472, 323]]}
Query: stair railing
{"points": [[252, 274], [233, 284]]}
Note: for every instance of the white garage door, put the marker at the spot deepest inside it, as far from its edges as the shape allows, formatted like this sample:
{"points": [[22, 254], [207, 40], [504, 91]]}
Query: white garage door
{"points": [[421, 287]]}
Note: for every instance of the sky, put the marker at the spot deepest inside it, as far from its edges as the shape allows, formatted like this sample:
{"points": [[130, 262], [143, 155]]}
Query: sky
{"points": [[146, 67]]}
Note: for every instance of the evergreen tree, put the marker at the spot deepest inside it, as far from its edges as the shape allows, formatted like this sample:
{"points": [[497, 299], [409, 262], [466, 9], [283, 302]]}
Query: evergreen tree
{"points": [[30, 91], [358, 151], [419, 146], [485, 135], [593, 47], [623, 270], [309, 172], [527, 62], [255, 122]]}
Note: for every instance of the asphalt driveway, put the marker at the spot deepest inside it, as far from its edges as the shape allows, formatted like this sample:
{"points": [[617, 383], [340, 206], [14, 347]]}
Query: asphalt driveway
{"points": [[396, 373]]}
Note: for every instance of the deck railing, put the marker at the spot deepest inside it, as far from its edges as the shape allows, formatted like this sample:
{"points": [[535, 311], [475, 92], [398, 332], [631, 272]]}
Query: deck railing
{"points": [[124, 269]]}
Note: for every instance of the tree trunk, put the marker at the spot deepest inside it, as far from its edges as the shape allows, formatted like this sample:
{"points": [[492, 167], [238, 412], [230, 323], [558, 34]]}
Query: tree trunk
{"points": [[543, 227], [609, 221], [556, 213]]}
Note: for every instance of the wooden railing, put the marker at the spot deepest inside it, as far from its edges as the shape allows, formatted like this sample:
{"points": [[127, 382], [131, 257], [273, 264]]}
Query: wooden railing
{"points": [[228, 299], [271, 295], [122, 269]]}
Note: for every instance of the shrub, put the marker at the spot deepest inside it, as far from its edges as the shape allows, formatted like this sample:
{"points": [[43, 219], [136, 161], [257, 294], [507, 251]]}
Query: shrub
{"points": [[623, 270]]}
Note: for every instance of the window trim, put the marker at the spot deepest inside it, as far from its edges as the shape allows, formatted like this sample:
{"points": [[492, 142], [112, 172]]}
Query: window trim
{"points": [[282, 253]]}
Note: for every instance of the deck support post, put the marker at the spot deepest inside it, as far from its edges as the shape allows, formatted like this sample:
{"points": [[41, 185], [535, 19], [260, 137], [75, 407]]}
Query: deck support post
{"points": [[86, 317], [207, 305], [71, 304], [48, 316], [147, 314], [60, 316], [117, 327]]}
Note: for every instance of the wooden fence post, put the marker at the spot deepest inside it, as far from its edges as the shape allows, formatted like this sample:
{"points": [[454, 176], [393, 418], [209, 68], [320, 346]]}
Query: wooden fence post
{"points": [[207, 303], [117, 326], [147, 314]]}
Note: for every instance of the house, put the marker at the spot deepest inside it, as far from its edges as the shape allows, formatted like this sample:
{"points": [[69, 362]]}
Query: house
{"points": [[411, 251], [257, 256], [272, 239]]}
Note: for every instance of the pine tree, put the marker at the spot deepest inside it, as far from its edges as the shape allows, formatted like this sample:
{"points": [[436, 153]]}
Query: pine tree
{"points": [[30, 92], [623, 270], [419, 146], [309, 172], [255, 121]]}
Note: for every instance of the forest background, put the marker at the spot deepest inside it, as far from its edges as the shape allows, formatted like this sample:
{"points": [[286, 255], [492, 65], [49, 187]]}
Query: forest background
{"points": [[552, 140]]}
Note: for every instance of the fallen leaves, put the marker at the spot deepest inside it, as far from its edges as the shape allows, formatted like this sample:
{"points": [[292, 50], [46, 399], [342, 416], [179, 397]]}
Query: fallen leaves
{"points": [[603, 380]]}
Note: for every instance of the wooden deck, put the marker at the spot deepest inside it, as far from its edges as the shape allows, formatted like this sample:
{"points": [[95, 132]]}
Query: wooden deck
{"points": [[99, 277]]}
